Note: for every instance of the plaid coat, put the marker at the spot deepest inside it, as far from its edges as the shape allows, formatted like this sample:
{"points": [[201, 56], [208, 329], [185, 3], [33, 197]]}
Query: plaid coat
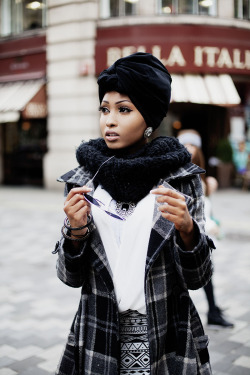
{"points": [[178, 345]]}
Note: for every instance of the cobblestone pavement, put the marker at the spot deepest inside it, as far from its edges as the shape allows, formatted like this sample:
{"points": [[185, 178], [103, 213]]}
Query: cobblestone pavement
{"points": [[37, 309]]}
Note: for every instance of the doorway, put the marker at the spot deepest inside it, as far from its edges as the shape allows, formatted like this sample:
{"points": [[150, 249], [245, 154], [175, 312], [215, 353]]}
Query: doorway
{"points": [[24, 145]]}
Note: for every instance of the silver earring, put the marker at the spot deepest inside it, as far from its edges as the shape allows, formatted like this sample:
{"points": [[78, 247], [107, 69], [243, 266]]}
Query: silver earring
{"points": [[148, 132]]}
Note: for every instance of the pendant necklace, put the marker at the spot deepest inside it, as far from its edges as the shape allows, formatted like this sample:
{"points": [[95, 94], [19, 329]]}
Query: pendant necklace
{"points": [[125, 209]]}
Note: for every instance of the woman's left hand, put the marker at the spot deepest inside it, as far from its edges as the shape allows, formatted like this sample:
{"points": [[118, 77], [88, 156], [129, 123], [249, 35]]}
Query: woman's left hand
{"points": [[174, 209]]}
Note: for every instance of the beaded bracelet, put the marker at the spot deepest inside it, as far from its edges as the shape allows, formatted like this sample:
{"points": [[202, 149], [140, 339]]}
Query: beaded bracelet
{"points": [[79, 237], [67, 224]]}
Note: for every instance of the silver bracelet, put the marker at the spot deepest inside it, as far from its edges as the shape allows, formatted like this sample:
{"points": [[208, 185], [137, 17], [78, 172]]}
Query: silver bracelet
{"points": [[78, 237], [67, 224]]}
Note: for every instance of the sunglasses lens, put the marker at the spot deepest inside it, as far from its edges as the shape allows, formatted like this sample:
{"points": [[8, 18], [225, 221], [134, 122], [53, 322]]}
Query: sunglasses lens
{"points": [[114, 215], [92, 200], [101, 205]]}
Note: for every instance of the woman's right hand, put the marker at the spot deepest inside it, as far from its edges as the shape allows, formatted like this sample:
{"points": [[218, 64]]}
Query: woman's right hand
{"points": [[77, 209]]}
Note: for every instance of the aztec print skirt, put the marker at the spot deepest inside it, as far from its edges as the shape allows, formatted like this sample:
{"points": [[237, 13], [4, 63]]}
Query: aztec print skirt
{"points": [[134, 344]]}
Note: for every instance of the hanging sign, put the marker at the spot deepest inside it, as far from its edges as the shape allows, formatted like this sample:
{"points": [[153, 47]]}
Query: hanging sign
{"points": [[181, 48]]}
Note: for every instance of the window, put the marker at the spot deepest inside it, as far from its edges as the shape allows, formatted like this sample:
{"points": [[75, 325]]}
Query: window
{"points": [[118, 8], [18, 16], [202, 7], [242, 9]]}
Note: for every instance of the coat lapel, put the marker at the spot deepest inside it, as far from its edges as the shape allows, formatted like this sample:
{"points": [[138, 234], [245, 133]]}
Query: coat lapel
{"points": [[98, 257], [160, 232]]}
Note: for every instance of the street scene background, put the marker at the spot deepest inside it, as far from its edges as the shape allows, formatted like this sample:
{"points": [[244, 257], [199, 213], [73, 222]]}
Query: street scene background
{"points": [[37, 309]]}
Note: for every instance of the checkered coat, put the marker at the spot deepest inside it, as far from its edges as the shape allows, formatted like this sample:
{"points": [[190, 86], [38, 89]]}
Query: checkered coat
{"points": [[178, 345]]}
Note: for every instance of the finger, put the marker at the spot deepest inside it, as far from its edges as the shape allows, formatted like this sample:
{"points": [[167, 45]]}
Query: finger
{"points": [[77, 213], [170, 217], [74, 199], [167, 208], [161, 190], [73, 208], [76, 204], [79, 190], [70, 202], [79, 216], [179, 214], [178, 202]]}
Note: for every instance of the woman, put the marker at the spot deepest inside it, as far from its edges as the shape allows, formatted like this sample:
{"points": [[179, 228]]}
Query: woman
{"points": [[191, 139], [136, 264]]}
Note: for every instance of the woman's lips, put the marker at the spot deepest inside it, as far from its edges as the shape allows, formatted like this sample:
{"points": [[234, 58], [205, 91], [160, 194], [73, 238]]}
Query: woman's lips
{"points": [[111, 136]]}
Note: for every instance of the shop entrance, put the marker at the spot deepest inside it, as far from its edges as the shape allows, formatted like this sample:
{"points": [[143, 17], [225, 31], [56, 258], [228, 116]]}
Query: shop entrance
{"points": [[212, 123], [24, 145]]}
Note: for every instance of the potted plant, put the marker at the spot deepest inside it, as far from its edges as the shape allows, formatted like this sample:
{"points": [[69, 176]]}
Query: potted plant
{"points": [[225, 168]]}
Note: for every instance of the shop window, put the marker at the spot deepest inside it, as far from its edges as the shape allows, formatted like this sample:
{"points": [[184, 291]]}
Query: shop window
{"points": [[201, 7], [242, 9], [24, 146], [18, 16], [118, 8]]}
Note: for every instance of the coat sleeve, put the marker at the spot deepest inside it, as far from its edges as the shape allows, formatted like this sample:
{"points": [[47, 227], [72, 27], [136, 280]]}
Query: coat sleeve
{"points": [[194, 267], [72, 263]]}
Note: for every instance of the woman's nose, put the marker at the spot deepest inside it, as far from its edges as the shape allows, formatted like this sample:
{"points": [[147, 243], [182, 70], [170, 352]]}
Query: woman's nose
{"points": [[111, 120]]}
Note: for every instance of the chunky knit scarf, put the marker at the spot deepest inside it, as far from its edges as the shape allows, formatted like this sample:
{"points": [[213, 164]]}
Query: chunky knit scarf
{"points": [[130, 177]]}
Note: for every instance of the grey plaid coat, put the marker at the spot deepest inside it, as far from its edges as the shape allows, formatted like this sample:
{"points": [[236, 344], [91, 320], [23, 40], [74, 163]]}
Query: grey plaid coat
{"points": [[177, 342]]}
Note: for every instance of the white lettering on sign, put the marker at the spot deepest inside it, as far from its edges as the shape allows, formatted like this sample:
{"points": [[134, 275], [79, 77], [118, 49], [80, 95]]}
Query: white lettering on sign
{"points": [[36, 110], [247, 59], [221, 58], [19, 65], [208, 52], [203, 56], [175, 56]]}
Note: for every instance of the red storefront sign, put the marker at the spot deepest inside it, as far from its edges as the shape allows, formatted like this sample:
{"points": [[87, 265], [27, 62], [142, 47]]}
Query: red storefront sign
{"points": [[181, 48], [23, 58]]}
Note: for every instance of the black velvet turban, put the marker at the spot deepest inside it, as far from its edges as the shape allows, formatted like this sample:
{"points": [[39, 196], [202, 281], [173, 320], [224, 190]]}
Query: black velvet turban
{"points": [[145, 80]]}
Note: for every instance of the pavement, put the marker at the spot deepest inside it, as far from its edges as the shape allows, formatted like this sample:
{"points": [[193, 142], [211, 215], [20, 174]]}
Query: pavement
{"points": [[36, 309]]}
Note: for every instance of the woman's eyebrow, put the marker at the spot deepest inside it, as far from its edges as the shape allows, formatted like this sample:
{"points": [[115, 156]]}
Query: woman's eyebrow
{"points": [[120, 101]]}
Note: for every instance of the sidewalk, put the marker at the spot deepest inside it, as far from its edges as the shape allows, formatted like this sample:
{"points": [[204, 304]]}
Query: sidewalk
{"points": [[37, 309]]}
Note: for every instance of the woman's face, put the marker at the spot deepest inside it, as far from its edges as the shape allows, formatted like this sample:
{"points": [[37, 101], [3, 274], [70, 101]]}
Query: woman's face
{"points": [[190, 148], [121, 124]]}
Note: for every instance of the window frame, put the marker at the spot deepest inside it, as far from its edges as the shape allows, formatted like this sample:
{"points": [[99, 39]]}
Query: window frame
{"points": [[13, 17], [196, 8], [105, 9], [239, 9]]}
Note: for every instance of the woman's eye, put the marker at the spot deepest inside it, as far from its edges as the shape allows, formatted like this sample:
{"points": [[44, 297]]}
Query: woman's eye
{"points": [[125, 110], [103, 109]]}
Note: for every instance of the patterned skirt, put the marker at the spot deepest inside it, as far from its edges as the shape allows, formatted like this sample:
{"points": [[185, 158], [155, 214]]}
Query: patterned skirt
{"points": [[134, 344]]}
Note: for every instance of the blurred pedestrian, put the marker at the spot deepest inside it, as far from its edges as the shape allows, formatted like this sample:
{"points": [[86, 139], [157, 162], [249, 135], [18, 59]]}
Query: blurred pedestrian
{"points": [[191, 139], [133, 238], [240, 157]]}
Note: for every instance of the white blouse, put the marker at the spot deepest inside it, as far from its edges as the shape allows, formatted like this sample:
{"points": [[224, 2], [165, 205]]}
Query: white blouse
{"points": [[126, 245]]}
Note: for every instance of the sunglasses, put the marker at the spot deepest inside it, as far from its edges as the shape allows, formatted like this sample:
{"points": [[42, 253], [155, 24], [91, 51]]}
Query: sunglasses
{"points": [[97, 202]]}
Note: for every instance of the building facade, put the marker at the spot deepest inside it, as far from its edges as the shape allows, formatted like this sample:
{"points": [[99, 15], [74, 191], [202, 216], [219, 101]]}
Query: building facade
{"points": [[205, 45]]}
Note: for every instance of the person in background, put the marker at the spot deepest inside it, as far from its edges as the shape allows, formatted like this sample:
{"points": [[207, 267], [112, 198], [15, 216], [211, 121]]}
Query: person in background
{"points": [[191, 139], [133, 238], [240, 158]]}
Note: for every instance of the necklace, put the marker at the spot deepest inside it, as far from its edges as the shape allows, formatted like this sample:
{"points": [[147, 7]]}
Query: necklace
{"points": [[125, 209]]}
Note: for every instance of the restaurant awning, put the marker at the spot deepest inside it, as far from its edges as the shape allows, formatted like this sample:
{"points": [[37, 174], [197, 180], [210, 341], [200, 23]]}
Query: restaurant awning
{"points": [[208, 89], [14, 97]]}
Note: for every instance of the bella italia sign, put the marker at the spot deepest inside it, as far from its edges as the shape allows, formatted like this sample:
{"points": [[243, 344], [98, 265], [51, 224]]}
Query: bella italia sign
{"points": [[203, 56], [181, 48], [206, 56]]}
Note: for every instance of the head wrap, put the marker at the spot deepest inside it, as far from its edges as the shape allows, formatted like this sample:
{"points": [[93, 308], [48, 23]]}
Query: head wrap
{"points": [[145, 80]]}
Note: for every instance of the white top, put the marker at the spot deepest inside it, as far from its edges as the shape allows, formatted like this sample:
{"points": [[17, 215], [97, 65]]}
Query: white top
{"points": [[126, 245]]}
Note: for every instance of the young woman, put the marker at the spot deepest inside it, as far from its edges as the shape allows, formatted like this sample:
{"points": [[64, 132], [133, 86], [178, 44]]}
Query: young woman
{"points": [[133, 238], [191, 139]]}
